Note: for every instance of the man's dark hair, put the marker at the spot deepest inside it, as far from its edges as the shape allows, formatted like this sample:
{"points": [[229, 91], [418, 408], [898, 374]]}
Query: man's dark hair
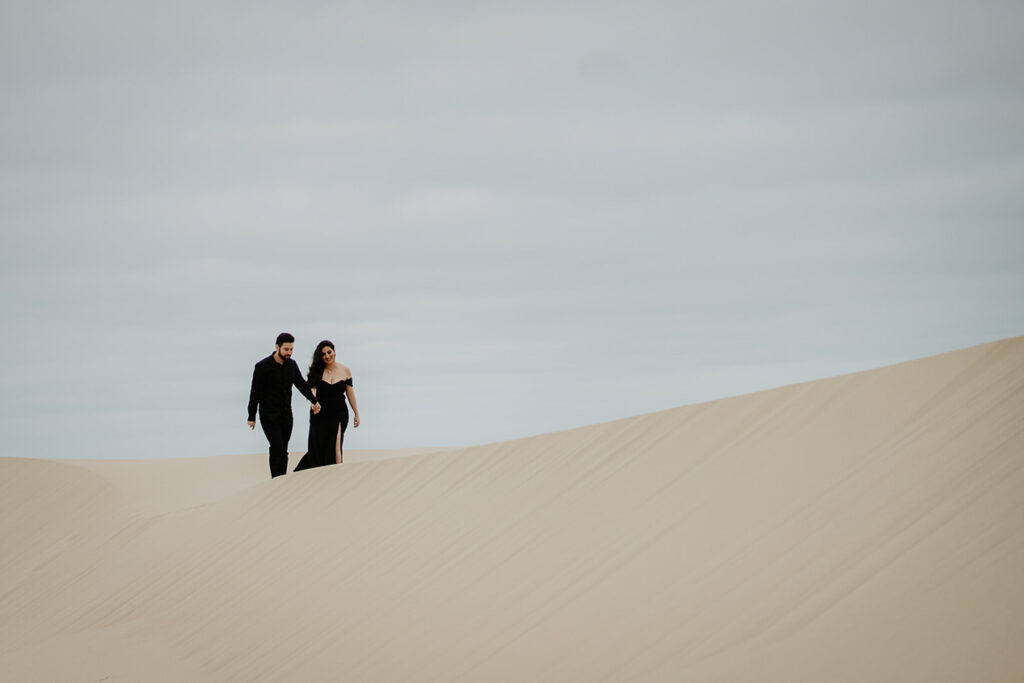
{"points": [[285, 338]]}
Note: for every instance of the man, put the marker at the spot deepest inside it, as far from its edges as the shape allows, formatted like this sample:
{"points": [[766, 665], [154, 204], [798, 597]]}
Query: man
{"points": [[271, 391]]}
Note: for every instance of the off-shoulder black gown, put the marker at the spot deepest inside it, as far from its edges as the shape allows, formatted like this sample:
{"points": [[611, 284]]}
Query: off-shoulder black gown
{"points": [[325, 425]]}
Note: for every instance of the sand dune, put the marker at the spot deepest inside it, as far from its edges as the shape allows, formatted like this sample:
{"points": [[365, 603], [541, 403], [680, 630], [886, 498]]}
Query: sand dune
{"points": [[868, 527]]}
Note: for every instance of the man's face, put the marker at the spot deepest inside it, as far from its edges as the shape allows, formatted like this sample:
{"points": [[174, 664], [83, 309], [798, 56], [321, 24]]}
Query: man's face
{"points": [[284, 351]]}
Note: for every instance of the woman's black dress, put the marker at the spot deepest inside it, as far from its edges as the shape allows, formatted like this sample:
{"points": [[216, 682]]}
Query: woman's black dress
{"points": [[324, 426]]}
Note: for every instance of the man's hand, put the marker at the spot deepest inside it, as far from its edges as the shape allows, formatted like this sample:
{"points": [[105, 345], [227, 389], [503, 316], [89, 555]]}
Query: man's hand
{"points": [[316, 408], [252, 425]]}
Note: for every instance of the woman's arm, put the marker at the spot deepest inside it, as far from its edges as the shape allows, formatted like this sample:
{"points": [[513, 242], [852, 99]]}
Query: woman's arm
{"points": [[351, 393]]}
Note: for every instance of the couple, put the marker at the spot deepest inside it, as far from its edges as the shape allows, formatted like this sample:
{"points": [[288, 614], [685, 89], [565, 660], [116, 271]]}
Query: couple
{"points": [[325, 387]]}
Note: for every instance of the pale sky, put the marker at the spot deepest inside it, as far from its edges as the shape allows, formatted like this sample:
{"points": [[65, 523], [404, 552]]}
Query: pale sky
{"points": [[511, 218]]}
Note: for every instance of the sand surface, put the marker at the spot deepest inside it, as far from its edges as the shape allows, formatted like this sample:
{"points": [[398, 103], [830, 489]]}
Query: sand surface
{"points": [[868, 527]]}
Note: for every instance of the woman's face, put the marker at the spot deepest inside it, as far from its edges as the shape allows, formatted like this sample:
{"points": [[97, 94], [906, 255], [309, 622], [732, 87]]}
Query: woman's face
{"points": [[328, 355]]}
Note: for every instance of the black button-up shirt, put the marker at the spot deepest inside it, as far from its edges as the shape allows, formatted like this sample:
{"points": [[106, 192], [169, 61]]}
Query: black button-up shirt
{"points": [[272, 388]]}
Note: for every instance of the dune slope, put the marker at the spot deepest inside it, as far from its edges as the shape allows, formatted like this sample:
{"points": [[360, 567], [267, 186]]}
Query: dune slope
{"points": [[864, 527]]}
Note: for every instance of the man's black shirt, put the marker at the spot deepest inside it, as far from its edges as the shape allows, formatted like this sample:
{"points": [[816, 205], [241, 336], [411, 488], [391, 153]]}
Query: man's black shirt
{"points": [[272, 388]]}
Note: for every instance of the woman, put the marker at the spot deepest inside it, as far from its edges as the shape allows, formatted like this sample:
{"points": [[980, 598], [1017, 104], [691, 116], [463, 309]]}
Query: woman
{"points": [[331, 382]]}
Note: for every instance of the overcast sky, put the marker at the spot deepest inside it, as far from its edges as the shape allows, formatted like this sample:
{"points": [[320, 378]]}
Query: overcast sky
{"points": [[510, 218]]}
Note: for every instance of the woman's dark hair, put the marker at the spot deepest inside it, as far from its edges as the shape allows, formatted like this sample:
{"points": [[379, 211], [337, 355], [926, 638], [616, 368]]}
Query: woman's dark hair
{"points": [[316, 368], [285, 338]]}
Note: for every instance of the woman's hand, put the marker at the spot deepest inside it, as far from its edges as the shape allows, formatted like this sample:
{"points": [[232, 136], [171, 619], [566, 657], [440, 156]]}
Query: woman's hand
{"points": [[355, 420]]}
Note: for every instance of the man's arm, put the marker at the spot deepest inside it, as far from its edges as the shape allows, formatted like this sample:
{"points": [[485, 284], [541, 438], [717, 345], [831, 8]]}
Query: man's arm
{"points": [[255, 391], [301, 384]]}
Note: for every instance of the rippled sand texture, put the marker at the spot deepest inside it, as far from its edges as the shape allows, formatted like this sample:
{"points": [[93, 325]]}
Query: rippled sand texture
{"points": [[868, 527]]}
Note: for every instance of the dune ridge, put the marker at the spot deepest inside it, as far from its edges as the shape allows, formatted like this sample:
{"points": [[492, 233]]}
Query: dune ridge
{"points": [[862, 527]]}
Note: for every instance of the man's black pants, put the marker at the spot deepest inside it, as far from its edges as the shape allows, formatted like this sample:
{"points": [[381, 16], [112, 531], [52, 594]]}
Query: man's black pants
{"points": [[278, 430]]}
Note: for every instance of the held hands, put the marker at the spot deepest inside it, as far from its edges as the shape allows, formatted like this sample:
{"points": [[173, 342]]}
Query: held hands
{"points": [[316, 408]]}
